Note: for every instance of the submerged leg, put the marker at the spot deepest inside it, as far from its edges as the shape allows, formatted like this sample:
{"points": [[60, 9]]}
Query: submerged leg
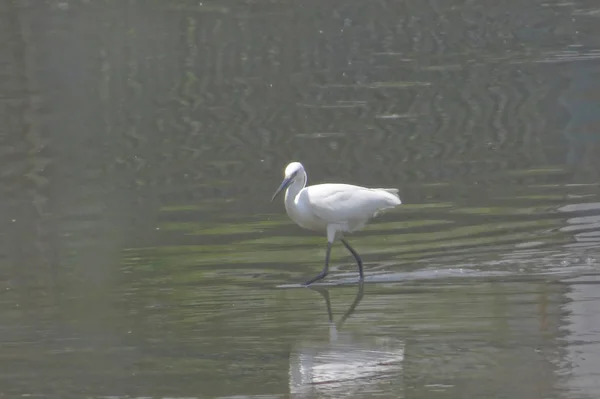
{"points": [[325, 269], [356, 256]]}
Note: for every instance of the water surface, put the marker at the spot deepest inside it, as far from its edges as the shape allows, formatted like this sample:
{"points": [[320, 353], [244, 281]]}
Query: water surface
{"points": [[141, 142]]}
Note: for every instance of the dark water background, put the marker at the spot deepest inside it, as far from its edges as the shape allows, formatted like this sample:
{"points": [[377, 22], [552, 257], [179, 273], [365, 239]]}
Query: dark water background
{"points": [[141, 142]]}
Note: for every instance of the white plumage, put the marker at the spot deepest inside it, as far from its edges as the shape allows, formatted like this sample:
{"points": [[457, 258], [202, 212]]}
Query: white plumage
{"points": [[334, 208]]}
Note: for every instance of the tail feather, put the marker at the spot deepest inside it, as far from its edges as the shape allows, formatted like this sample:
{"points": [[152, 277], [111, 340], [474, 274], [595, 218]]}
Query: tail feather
{"points": [[391, 190], [392, 199], [394, 191]]}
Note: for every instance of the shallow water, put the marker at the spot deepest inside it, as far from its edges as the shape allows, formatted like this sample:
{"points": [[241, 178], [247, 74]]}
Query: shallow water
{"points": [[142, 141]]}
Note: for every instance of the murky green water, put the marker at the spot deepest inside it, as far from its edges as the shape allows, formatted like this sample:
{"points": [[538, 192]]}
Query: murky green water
{"points": [[141, 142]]}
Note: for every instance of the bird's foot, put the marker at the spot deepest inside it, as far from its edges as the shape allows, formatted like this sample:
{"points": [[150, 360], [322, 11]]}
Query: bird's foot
{"points": [[312, 280]]}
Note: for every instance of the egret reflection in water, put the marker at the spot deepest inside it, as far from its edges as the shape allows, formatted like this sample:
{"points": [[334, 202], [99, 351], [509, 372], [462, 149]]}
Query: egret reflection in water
{"points": [[346, 363]]}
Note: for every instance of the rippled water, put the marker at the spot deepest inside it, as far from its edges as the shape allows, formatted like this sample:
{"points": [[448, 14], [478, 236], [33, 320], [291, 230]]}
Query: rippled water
{"points": [[141, 142]]}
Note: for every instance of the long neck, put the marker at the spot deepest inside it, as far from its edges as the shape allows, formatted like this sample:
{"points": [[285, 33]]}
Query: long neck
{"points": [[293, 190]]}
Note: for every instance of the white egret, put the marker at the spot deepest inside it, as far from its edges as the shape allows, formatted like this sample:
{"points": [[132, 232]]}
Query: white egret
{"points": [[335, 208]]}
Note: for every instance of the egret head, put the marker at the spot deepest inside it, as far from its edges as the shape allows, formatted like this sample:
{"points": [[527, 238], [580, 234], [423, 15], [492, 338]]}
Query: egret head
{"points": [[293, 172]]}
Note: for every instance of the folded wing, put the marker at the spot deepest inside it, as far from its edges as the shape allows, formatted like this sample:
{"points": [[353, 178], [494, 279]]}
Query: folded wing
{"points": [[344, 203]]}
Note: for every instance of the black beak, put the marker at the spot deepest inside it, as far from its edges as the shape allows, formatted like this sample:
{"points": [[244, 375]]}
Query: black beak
{"points": [[284, 184]]}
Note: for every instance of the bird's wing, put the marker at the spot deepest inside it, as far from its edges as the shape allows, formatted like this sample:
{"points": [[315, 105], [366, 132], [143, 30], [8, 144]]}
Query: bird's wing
{"points": [[340, 203]]}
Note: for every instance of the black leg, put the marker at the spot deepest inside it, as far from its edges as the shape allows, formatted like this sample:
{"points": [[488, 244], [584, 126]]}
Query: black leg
{"points": [[325, 269], [356, 256]]}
